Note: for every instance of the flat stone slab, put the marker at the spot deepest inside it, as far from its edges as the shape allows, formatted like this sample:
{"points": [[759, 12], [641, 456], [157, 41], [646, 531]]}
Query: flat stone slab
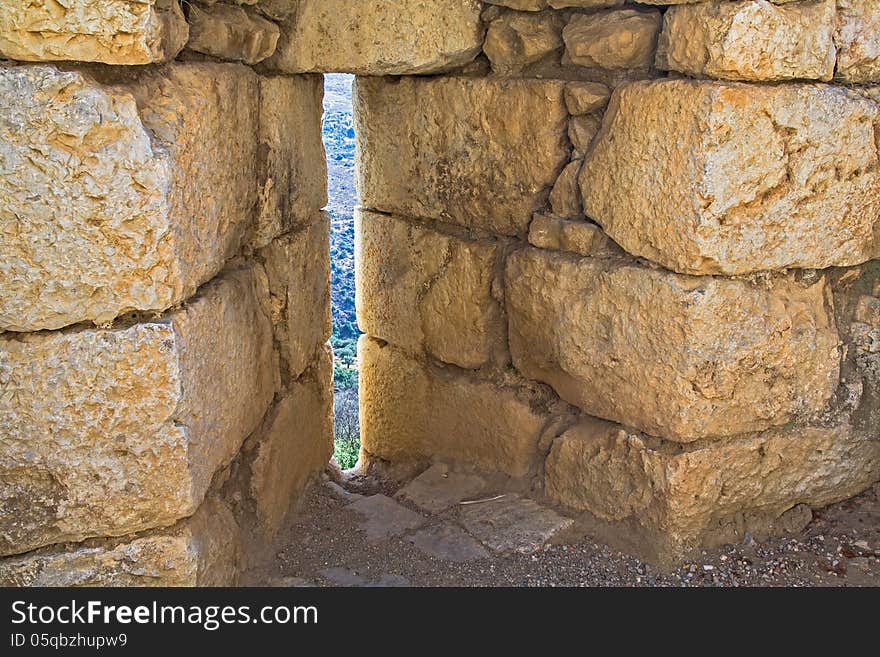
{"points": [[437, 489], [449, 543], [384, 518], [513, 524]]}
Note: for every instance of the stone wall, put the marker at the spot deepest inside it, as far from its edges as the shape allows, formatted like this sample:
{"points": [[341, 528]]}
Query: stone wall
{"points": [[165, 388], [622, 253], [610, 257]]}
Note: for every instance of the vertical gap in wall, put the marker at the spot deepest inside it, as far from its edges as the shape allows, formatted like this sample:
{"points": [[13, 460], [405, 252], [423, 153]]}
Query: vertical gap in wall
{"points": [[339, 144]]}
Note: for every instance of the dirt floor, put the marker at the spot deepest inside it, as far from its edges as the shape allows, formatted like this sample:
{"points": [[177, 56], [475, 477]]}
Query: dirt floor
{"points": [[324, 544]]}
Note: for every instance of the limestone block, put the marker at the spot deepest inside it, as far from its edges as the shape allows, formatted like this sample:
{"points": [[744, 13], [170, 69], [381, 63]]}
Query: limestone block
{"points": [[298, 268], [516, 40], [488, 165], [858, 41], [710, 493], [538, 5], [107, 432], [548, 231], [294, 445], [200, 551], [582, 130], [292, 163], [429, 292], [729, 178], [585, 97], [565, 197], [231, 32], [413, 412], [750, 40], [680, 357], [105, 31], [377, 37], [617, 39], [121, 196]]}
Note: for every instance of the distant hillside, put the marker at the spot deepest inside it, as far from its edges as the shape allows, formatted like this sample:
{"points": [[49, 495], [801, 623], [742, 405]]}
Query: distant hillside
{"points": [[340, 145]]}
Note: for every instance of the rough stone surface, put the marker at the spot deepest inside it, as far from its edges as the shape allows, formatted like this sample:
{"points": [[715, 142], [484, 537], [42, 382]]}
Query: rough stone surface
{"points": [[106, 432], [429, 292], [558, 234], [383, 518], [200, 551], [679, 357], [565, 197], [490, 166], [292, 164], [449, 543], [376, 37], [112, 198], [232, 33], [439, 488], [757, 177], [582, 130], [858, 41], [585, 97], [515, 40], [710, 493], [513, 524], [617, 39], [106, 31], [750, 40], [538, 5], [411, 412], [298, 269], [294, 445]]}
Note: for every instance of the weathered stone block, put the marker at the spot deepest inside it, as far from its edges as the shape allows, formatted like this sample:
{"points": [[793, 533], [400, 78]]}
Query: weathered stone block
{"points": [[710, 493], [105, 31], [538, 5], [548, 231], [750, 40], [714, 177], [617, 39], [231, 32], [489, 166], [858, 41], [516, 40], [200, 551], [376, 37], [675, 356], [429, 292], [292, 163], [121, 196], [413, 412], [107, 432], [298, 268], [585, 97], [293, 446]]}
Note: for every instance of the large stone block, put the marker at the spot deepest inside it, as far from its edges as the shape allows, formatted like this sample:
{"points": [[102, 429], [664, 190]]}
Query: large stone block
{"points": [[475, 152], [377, 37], [298, 268], [203, 550], [294, 445], [616, 39], [120, 196], [750, 40], [858, 41], [429, 292], [105, 31], [714, 177], [292, 163], [106, 432], [414, 412], [709, 493], [680, 357], [233, 33]]}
